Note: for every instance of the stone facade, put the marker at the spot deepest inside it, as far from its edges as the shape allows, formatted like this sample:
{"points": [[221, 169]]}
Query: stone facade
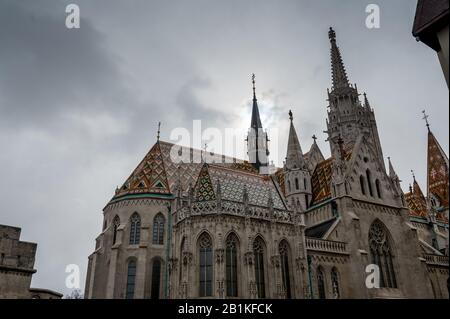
{"points": [[231, 229], [17, 267]]}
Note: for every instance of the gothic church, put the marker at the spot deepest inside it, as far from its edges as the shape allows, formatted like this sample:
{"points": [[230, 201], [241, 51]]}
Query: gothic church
{"points": [[231, 228]]}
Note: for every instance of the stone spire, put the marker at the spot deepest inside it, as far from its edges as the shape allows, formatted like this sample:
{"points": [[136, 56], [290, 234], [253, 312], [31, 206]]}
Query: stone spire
{"points": [[392, 174], [366, 101], [338, 73], [294, 154], [257, 140], [256, 120]]}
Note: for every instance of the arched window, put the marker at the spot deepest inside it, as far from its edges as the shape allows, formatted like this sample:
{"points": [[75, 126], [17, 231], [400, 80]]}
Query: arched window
{"points": [[335, 283], [369, 182], [284, 256], [289, 186], [377, 185], [321, 283], [116, 224], [382, 254], [156, 278], [305, 185], [158, 229], [297, 186], [131, 279], [206, 265], [258, 251], [231, 265], [135, 229], [361, 183]]}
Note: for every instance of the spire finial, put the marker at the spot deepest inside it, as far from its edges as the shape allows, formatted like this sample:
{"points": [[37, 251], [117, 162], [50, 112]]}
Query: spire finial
{"points": [[425, 117], [413, 175], [159, 131], [314, 137], [291, 117], [332, 34], [254, 87]]}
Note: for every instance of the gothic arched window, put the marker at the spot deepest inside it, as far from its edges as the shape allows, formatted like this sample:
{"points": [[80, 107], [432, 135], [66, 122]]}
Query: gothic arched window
{"points": [[116, 224], [382, 254], [289, 186], [305, 185], [231, 265], [361, 183], [258, 251], [206, 265], [335, 283], [378, 187], [369, 182], [131, 279], [135, 229], [158, 229], [297, 186], [320, 283], [284, 256], [156, 278]]}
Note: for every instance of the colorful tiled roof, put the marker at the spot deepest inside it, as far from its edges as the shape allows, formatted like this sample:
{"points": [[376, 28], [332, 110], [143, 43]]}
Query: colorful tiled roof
{"points": [[438, 174], [321, 179], [416, 201], [233, 181]]}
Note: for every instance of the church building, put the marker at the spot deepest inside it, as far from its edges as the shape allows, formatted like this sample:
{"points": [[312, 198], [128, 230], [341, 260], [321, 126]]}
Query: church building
{"points": [[315, 228]]}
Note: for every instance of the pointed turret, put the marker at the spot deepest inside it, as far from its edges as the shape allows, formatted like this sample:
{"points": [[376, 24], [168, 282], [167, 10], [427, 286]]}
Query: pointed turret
{"points": [[296, 174], [294, 154], [339, 75]]}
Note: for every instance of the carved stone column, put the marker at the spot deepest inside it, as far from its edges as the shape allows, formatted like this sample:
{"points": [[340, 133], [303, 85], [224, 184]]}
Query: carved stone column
{"points": [[249, 260]]}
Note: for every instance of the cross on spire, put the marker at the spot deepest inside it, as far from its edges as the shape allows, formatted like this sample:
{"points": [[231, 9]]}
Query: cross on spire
{"points": [[314, 137], [159, 131], [425, 117], [254, 87]]}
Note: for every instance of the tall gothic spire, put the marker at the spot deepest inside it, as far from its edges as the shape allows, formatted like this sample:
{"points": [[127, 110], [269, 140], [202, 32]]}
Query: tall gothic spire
{"points": [[339, 75], [256, 120], [294, 155]]}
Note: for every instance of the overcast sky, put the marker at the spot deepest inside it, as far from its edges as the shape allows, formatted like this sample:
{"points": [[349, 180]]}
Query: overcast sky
{"points": [[79, 108]]}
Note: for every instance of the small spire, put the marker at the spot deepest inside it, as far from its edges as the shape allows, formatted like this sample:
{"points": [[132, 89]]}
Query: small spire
{"points": [[414, 176], [294, 154], [366, 101], [256, 120], [425, 117], [159, 131], [392, 174]]}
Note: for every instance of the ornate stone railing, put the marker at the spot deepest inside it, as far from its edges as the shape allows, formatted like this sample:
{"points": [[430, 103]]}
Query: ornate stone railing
{"points": [[233, 208], [328, 246], [436, 259]]}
